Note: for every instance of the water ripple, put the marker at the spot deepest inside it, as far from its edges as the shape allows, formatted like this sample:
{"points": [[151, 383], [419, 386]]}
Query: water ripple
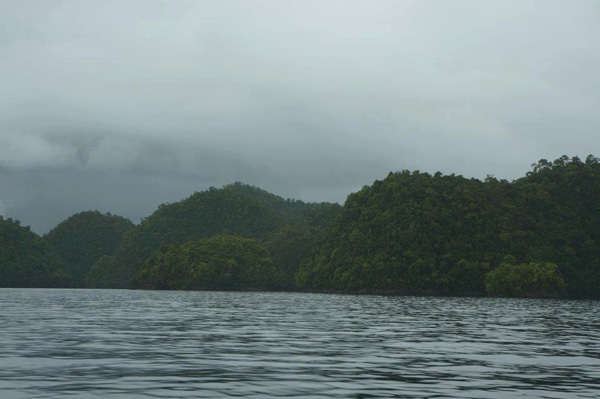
{"points": [[122, 344]]}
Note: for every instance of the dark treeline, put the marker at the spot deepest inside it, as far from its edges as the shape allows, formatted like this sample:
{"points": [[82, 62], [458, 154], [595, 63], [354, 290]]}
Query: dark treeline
{"points": [[26, 260], [411, 233], [237, 210], [221, 262], [83, 238], [435, 234]]}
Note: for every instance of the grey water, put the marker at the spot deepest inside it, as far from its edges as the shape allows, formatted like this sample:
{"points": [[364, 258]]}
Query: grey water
{"points": [[158, 344]]}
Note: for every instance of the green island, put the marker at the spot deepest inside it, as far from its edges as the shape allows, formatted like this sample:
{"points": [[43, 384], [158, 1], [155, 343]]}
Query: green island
{"points": [[412, 233]]}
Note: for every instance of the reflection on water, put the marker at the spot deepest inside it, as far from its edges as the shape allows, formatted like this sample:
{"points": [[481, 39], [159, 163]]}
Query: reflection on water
{"points": [[112, 343]]}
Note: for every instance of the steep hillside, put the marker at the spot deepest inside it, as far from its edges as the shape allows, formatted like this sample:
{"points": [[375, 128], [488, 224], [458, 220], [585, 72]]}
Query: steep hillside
{"points": [[235, 209], [418, 233], [26, 260], [83, 238]]}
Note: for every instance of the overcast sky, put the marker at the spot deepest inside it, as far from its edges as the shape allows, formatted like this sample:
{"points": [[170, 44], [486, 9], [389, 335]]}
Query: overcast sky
{"points": [[122, 105]]}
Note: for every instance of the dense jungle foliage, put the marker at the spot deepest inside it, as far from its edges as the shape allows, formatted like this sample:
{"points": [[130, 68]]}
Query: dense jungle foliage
{"points": [[28, 261], [236, 209], [527, 279], [83, 238], [411, 233], [221, 262], [436, 234]]}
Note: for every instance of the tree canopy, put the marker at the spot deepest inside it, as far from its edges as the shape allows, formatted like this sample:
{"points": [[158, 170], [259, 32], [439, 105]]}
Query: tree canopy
{"points": [[83, 238], [236, 209], [410, 233], [222, 262], [527, 279], [419, 233], [28, 261]]}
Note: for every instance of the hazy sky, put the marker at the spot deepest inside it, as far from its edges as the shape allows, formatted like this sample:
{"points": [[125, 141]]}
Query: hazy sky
{"points": [[122, 105]]}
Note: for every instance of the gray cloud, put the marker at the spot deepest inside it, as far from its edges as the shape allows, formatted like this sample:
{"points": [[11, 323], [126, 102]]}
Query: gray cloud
{"points": [[120, 106], [3, 207]]}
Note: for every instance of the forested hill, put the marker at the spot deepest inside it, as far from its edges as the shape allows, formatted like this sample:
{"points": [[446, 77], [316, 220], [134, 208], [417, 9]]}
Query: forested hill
{"points": [[237, 209], [83, 238], [26, 260], [220, 262], [411, 233], [434, 234]]}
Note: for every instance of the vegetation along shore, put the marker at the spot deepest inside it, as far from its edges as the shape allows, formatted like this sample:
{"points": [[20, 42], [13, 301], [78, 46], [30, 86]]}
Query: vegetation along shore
{"points": [[410, 233]]}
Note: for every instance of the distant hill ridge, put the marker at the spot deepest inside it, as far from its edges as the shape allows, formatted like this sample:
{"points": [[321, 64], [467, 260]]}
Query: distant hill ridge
{"points": [[26, 260], [83, 238], [236, 209], [433, 234], [411, 233]]}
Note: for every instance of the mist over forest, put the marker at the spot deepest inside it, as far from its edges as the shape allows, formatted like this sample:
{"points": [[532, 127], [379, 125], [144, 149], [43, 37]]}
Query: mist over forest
{"points": [[299, 198], [124, 106]]}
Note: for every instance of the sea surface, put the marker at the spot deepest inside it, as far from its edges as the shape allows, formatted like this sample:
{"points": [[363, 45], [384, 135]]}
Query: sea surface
{"points": [[157, 344]]}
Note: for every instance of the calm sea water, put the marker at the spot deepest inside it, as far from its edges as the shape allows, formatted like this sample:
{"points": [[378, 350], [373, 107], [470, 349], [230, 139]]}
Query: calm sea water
{"points": [[121, 344]]}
